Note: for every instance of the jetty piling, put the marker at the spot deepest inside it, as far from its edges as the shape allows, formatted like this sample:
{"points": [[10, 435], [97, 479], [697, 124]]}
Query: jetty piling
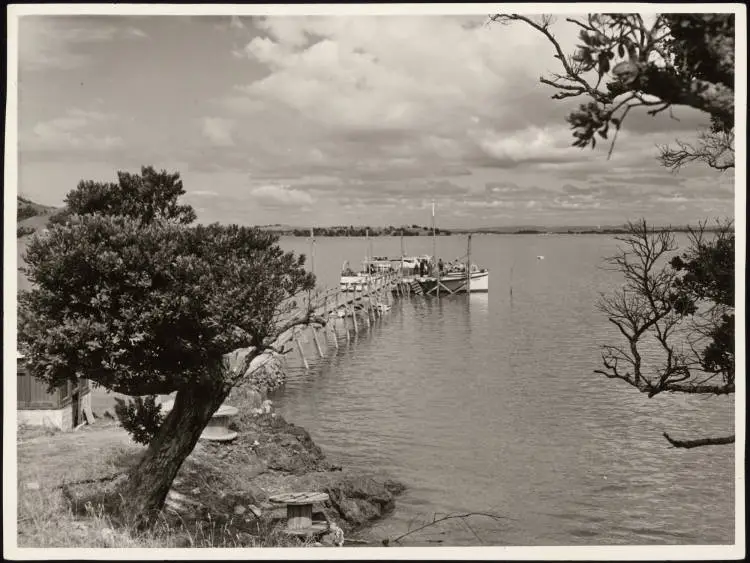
{"points": [[370, 302]]}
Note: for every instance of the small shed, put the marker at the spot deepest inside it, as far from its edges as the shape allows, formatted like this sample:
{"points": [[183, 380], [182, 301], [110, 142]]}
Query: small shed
{"points": [[64, 408]]}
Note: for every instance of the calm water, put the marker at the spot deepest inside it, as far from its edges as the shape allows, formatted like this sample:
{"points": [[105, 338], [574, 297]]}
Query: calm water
{"points": [[489, 403]]}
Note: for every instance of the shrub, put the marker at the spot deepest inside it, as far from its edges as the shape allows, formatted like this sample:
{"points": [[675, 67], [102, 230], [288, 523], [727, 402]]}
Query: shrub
{"points": [[140, 417]]}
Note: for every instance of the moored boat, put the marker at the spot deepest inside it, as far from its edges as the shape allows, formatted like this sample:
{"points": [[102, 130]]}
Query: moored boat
{"points": [[454, 280], [358, 281]]}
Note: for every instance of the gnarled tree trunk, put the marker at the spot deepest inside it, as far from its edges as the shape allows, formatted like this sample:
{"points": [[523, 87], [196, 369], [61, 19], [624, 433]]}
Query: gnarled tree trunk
{"points": [[149, 482]]}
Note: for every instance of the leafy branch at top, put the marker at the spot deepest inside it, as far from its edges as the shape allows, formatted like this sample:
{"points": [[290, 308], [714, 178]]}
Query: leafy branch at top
{"points": [[621, 63]]}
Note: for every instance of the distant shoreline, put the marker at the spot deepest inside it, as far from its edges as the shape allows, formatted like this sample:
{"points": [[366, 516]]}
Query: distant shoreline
{"points": [[326, 233]]}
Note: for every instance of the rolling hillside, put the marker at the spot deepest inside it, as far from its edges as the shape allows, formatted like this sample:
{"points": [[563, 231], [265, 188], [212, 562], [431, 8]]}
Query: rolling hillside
{"points": [[32, 217]]}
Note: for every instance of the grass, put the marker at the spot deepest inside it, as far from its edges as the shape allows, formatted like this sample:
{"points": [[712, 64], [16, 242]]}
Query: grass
{"points": [[88, 517]]}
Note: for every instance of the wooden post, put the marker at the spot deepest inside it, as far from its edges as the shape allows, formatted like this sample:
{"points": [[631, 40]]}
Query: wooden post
{"points": [[402, 252], [301, 352], [369, 245], [468, 265], [335, 337], [317, 343], [312, 250], [354, 318]]}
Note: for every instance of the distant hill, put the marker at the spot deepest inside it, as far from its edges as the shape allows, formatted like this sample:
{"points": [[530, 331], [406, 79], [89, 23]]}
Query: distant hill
{"points": [[353, 231], [32, 217]]}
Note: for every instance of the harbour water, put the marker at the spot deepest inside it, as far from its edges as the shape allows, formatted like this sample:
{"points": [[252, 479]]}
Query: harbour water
{"points": [[489, 403]]}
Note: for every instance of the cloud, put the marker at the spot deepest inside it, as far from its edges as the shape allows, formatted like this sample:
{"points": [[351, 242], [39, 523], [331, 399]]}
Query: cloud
{"points": [[236, 23], [532, 145], [135, 32], [218, 130], [404, 97], [61, 42], [77, 129], [274, 195]]}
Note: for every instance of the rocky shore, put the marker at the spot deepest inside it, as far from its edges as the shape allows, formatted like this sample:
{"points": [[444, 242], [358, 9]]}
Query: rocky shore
{"points": [[272, 456], [223, 490]]}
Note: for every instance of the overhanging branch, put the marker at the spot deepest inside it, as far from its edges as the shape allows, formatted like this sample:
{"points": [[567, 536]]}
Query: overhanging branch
{"points": [[700, 442]]}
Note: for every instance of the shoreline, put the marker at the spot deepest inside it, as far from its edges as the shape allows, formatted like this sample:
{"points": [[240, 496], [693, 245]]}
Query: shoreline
{"points": [[220, 497]]}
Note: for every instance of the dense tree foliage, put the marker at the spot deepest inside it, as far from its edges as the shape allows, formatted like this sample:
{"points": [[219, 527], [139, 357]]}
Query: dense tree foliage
{"points": [[146, 309], [131, 296], [146, 197], [706, 294], [623, 63]]}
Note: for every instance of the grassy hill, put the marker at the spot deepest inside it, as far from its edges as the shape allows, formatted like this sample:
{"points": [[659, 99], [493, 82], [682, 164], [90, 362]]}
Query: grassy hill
{"points": [[32, 217]]}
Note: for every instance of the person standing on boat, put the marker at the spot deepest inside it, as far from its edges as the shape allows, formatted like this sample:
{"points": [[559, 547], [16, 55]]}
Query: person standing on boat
{"points": [[440, 266]]}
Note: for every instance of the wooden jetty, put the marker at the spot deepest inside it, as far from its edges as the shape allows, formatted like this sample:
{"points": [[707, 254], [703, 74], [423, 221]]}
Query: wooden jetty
{"points": [[352, 311]]}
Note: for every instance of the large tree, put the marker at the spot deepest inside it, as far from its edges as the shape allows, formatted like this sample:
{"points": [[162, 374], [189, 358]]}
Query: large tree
{"points": [[623, 63], [145, 304]]}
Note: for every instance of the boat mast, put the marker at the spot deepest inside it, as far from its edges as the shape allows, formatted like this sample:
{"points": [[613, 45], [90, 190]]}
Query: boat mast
{"points": [[402, 252], [434, 249], [367, 254]]}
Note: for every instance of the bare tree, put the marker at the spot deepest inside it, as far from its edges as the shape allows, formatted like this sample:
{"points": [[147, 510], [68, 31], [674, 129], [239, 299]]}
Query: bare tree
{"points": [[650, 311]]}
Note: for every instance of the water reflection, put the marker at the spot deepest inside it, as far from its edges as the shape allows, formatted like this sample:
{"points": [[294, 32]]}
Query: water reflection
{"points": [[479, 303]]}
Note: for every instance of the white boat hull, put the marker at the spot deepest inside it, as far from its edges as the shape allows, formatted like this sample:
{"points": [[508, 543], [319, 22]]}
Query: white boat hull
{"points": [[456, 282]]}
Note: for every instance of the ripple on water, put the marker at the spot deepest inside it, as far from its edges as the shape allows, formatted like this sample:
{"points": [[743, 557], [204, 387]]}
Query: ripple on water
{"points": [[491, 403]]}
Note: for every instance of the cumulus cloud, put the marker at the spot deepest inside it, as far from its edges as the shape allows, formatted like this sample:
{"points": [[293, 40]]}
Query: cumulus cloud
{"points": [[218, 130], [353, 119], [77, 129], [275, 195], [532, 145]]}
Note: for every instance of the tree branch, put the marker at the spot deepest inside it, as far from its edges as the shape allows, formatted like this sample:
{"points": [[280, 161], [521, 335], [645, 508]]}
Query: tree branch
{"points": [[699, 443], [443, 519]]}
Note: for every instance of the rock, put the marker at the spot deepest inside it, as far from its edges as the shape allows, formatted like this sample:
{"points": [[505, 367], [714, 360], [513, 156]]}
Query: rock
{"points": [[32, 486], [394, 487], [239, 510], [359, 499], [195, 491], [256, 511], [357, 512]]}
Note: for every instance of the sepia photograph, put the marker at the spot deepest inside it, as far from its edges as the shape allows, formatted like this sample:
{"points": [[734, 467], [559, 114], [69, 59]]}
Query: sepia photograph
{"points": [[375, 281]]}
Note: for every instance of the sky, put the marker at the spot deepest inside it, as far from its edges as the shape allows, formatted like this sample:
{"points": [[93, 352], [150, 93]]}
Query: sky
{"points": [[321, 121]]}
